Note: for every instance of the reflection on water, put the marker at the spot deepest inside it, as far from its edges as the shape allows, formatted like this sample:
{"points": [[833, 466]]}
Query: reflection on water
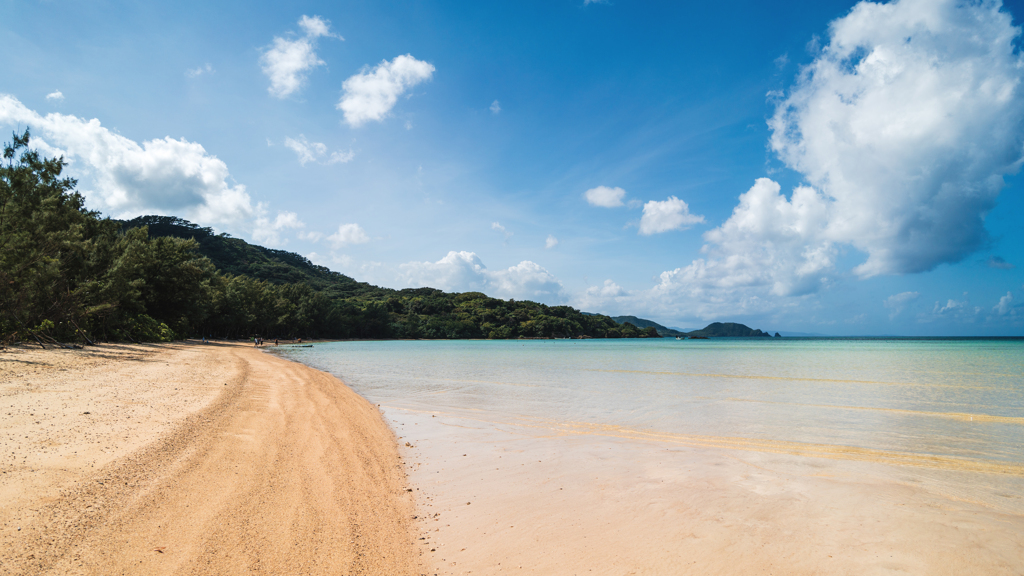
{"points": [[947, 404]]}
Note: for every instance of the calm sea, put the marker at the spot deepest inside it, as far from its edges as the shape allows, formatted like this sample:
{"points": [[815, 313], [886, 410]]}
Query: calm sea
{"points": [[953, 404]]}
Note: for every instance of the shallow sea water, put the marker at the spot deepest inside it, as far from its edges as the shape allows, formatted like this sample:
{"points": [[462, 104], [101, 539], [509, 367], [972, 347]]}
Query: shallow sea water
{"points": [[959, 403], [819, 456]]}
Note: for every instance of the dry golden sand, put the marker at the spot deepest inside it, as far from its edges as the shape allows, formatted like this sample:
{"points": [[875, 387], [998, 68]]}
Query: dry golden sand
{"points": [[193, 459]]}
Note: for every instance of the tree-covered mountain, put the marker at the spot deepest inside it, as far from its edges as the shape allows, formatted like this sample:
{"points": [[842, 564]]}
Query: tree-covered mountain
{"points": [[237, 257], [68, 274]]}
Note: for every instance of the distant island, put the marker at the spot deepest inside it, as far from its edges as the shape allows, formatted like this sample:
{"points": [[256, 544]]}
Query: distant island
{"points": [[713, 330]]}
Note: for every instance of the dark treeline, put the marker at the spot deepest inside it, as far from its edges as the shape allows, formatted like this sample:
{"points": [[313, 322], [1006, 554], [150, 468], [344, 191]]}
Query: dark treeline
{"points": [[67, 274]]}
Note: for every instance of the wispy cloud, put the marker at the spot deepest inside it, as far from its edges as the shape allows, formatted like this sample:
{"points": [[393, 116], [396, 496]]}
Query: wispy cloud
{"points": [[497, 226], [313, 151], [268, 232], [199, 71], [306, 150], [897, 302], [997, 262], [495, 107], [551, 242], [55, 96]]}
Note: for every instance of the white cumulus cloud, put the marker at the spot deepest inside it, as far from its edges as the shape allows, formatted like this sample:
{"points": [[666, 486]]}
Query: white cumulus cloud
{"points": [[903, 127], [769, 241], [372, 93], [125, 179], [465, 272], [551, 241], [608, 290], [1005, 306], [287, 62], [605, 197], [55, 96], [907, 122], [950, 306], [665, 215], [348, 234], [609, 298]]}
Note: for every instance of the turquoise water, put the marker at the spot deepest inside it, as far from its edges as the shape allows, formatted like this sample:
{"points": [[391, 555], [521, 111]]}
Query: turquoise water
{"points": [[956, 404]]}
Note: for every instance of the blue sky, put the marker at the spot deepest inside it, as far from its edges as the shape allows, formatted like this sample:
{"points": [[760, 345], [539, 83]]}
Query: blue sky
{"points": [[833, 167]]}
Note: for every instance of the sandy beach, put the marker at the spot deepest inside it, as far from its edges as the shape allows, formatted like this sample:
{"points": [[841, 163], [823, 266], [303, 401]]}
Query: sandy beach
{"points": [[222, 459], [194, 459]]}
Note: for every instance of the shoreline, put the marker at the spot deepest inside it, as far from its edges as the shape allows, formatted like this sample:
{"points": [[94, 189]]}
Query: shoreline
{"points": [[186, 458], [519, 464]]}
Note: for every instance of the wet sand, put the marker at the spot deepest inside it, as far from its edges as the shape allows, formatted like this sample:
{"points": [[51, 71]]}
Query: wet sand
{"points": [[540, 497], [193, 459]]}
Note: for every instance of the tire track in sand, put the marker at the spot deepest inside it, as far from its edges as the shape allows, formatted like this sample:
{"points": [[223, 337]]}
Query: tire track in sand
{"points": [[287, 472]]}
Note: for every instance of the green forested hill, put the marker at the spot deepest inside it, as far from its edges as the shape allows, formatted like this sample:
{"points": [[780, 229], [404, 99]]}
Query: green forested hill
{"points": [[237, 257], [642, 323], [66, 273], [362, 310]]}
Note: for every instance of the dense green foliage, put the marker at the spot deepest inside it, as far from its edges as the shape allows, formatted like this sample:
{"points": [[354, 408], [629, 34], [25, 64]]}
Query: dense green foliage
{"points": [[237, 257], [67, 274]]}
